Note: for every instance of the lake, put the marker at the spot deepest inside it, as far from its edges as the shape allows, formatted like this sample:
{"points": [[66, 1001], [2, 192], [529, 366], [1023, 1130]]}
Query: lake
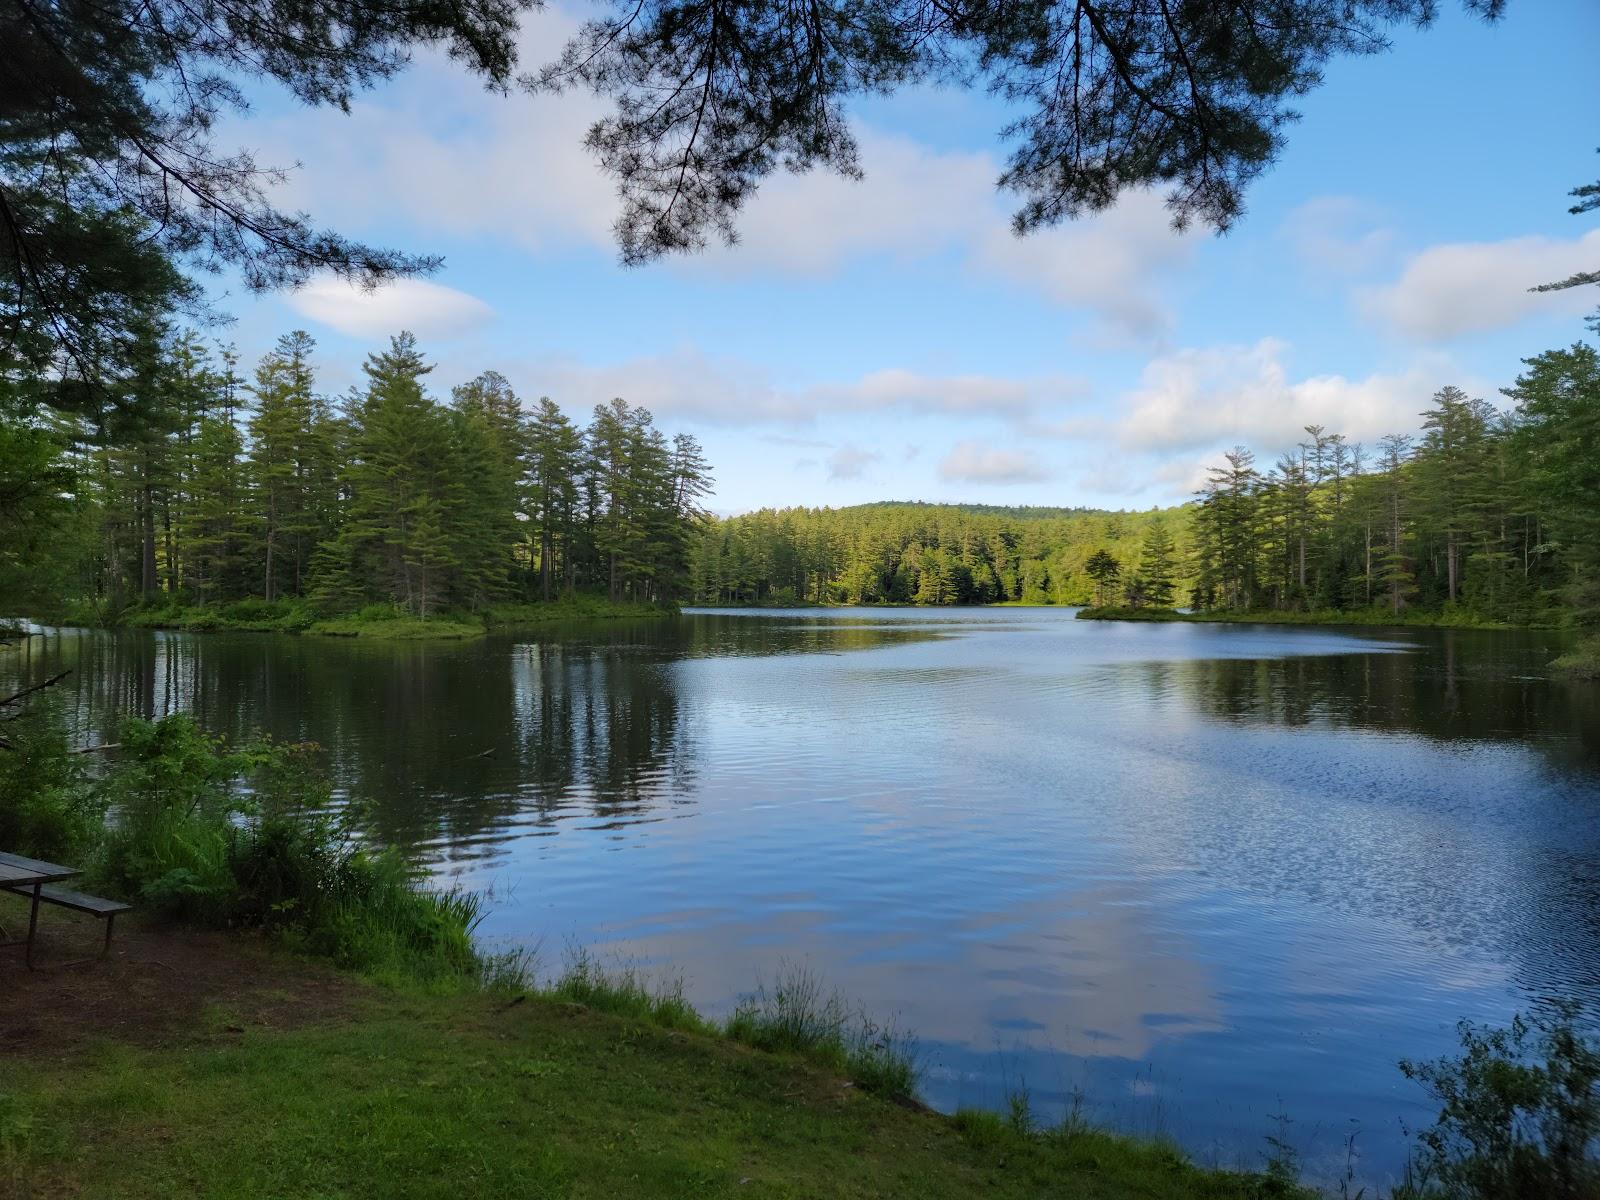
{"points": [[1202, 876]]}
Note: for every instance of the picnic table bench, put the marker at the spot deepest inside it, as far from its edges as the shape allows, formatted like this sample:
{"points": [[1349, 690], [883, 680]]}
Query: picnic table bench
{"points": [[36, 879]]}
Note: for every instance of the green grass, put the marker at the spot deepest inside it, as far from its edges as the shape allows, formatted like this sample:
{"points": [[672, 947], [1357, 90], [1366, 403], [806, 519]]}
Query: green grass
{"points": [[1107, 613], [1582, 662], [420, 1094], [796, 1014], [254, 616], [1370, 617], [575, 607], [377, 621], [396, 627]]}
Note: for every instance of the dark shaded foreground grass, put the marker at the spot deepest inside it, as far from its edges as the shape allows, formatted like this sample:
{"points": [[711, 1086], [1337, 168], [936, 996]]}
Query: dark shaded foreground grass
{"points": [[410, 1092]]}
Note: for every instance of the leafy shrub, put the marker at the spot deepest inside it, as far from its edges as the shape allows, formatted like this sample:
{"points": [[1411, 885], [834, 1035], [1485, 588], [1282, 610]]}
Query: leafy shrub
{"points": [[303, 879], [1519, 1117], [173, 800], [50, 809], [252, 608], [204, 833]]}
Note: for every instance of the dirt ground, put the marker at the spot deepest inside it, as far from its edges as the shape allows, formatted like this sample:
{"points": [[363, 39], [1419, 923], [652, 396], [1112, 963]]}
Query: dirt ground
{"points": [[158, 985]]}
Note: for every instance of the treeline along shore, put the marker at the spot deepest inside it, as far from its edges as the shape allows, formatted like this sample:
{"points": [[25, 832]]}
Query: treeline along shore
{"points": [[1487, 516], [183, 494]]}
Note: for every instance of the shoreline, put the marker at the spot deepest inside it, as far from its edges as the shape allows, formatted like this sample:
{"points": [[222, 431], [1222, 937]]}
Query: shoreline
{"points": [[298, 619], [1328, 618], [588, 1086], [1323, 618]]}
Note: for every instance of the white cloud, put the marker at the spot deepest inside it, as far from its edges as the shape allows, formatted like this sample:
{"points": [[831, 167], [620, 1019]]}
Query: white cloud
{"points": [[444, 156], [1449, 291], [1115, 264], [1223, 395], [951, 394], [850, 462], [1339, 235], [690, 384], [427, 309], [974, 462], [913, 203], [438, 150]]}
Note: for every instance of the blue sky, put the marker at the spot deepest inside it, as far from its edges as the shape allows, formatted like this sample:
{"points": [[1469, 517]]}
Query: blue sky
{"points": [[892, 339]]}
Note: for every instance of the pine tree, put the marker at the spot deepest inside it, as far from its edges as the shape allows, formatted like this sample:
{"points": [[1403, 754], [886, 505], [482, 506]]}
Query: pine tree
{"points": [[555, 456], [286, 448], [1158, 565], [490, 448], [402, 496], [1394, 575], [1557, 440], [1105, 570]]}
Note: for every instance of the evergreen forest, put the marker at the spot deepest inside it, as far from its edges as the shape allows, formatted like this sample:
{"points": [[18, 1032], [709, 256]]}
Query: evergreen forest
{"points": [[184, 481], [1487, 513]]}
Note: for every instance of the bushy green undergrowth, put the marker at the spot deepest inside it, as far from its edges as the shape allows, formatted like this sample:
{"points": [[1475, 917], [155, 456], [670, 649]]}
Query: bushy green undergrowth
{"points": [[578, 606], [391, 625], [48, 807], [1581, 662], [1108, 613], [383, 621], [253, 615], [1519, 1115], [194, 830]]}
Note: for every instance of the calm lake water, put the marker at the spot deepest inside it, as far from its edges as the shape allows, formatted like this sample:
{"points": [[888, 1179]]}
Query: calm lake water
{"points": [[1201, 874]]}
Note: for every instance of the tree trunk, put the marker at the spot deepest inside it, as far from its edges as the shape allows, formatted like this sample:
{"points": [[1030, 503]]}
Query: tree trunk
{"points": [[171, 549], [1369, 564], [148, 583]]}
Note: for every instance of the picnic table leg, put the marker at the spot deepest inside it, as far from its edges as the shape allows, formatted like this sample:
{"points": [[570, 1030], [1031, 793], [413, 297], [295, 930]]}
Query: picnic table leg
{"points": [[33, 924]]}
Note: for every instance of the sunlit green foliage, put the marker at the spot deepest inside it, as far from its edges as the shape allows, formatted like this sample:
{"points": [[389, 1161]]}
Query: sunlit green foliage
{"points": [[199, 494], [1490, 514], [915, 554], [193, 829]]}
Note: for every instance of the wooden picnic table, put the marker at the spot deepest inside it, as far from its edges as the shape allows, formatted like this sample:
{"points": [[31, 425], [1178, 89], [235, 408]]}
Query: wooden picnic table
{"points": [[28, 876]]}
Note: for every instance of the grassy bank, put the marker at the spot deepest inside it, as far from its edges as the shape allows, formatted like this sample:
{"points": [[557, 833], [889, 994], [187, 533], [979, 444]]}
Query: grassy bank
{"points": [[1370, 617], [219, 1052], [406, 1092], [376, 621], [436, 1069]]}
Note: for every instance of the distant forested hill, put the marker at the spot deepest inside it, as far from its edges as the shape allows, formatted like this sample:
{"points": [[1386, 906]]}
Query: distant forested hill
{"points": [[1489, 515], [913, 553]]}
